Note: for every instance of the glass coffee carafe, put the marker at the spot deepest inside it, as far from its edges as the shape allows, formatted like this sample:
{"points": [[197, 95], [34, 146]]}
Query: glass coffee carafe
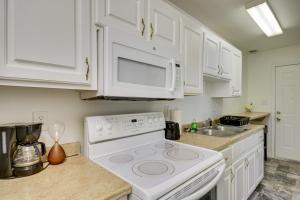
{"points": [[28, 155]]}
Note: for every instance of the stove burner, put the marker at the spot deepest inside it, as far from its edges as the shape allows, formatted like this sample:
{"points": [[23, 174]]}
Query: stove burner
{"points": [[153, 168], [164, 145], [145, 151], [122, 158], [181, 154]]}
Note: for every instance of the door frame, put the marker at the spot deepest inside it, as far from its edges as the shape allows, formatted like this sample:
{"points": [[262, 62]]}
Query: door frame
{"points": [[273, 104]]}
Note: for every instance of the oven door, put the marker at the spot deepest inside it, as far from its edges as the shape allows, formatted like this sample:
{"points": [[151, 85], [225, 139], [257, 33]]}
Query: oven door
{"points": [[133, 70], [211, 195], [202, 186]]}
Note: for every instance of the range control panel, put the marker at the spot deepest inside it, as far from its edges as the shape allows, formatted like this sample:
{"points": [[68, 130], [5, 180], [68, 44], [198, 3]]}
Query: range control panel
{"points": [[101, 128]]}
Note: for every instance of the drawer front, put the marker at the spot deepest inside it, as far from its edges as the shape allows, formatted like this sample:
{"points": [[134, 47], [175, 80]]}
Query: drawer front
{"points": [[245, 145]]}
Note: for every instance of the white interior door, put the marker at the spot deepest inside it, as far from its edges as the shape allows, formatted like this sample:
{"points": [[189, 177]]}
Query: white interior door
{"points": [[288, 112]]}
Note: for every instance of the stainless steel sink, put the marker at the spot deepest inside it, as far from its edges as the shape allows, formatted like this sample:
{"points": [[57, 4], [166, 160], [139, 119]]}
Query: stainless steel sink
{"points": [[221, 130]]}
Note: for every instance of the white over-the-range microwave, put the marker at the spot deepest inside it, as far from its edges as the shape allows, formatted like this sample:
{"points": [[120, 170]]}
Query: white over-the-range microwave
{"points": [[133, 68]]}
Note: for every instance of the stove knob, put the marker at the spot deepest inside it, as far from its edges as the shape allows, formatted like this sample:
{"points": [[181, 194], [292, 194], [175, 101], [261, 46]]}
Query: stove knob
{"points": [[99, 127], [150, 120], [155, 119]]}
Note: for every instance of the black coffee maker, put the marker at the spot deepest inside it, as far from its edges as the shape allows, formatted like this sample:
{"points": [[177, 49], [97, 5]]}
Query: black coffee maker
{"points": [[25, 152], [8, 144], [172, 131]]}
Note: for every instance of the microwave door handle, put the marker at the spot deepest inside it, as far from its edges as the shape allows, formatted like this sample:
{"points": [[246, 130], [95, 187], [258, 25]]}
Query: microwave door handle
{"points": [[204, 190], [173, 84]]}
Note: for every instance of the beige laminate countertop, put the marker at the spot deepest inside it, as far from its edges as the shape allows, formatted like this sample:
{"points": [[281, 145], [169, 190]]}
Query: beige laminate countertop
{"points": [[76, 179], [217, 143], [253, 115]]}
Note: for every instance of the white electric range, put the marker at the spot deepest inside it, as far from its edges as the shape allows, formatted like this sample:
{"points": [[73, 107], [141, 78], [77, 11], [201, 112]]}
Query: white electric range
{"points": [[133, 147]]}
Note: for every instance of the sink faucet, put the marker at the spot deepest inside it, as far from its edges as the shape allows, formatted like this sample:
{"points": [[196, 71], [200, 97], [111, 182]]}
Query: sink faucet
{"points": [[209, 122]]}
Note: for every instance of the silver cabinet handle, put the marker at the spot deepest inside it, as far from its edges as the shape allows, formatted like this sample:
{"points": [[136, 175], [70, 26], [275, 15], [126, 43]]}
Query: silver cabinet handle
{"points": [[247, 162], [232, 175], [221, 70], [152, 31], [278, 119], [88, 68], [144, 26]]}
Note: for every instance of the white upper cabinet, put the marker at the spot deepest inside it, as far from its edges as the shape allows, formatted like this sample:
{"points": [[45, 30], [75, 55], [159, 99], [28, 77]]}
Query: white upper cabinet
{"points": [[192, 54], [126, 15], [48, 42], [211, 54], [217, 57], [236, 82], [226, 61], [163, 23]]}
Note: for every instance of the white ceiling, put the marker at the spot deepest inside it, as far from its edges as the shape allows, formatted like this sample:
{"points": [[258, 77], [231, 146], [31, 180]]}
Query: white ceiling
{"points": [[229, 19]]}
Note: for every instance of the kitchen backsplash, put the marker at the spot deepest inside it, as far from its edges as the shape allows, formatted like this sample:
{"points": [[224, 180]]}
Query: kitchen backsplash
{"points": [[17, 104]]}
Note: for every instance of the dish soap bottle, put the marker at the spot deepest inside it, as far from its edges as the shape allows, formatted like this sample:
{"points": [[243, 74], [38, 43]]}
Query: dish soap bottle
{"points": [[194, 126]]}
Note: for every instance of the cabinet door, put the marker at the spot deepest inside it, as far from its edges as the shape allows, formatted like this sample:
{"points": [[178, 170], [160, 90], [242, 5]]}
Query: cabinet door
{"points": [[225, 61], [260, 164], [251, 172], [228, 184], [164, 22], [127, 15], [236, 81], [239, 179], [192, 49], [211, 55], [47, 41]]}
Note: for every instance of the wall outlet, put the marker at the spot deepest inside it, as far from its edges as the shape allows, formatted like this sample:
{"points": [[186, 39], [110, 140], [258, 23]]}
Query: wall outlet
{"points": [[41, 117]]}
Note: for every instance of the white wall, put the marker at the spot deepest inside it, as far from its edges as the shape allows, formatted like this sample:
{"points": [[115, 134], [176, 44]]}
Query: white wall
{"points": [[261, 80], [260, 74], [17, 105]]}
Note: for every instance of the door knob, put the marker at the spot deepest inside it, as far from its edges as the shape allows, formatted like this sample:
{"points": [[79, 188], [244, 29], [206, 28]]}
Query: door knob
{"points": [[278, 119]]}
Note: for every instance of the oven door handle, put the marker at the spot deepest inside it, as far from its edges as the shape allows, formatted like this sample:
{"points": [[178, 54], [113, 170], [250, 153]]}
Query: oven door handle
{"points": [[202, 191], [173, 84]]}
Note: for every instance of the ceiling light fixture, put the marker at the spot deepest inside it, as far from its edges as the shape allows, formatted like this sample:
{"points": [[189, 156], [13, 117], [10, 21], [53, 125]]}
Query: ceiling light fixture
{"points": [[263, 16]]}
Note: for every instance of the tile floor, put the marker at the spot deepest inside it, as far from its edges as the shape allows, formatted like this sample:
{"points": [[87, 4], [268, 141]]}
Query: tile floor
{"points": [[281, 181]]}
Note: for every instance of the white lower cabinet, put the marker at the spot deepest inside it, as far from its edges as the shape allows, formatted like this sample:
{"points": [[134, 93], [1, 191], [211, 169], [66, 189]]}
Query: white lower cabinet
{"points": [[247, 170], [225, 186], [239, 179], [251, 183], [260, 163]]}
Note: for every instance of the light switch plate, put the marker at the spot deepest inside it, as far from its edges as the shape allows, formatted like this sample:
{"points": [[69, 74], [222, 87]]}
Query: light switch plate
{"points": [[41, 117]]}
